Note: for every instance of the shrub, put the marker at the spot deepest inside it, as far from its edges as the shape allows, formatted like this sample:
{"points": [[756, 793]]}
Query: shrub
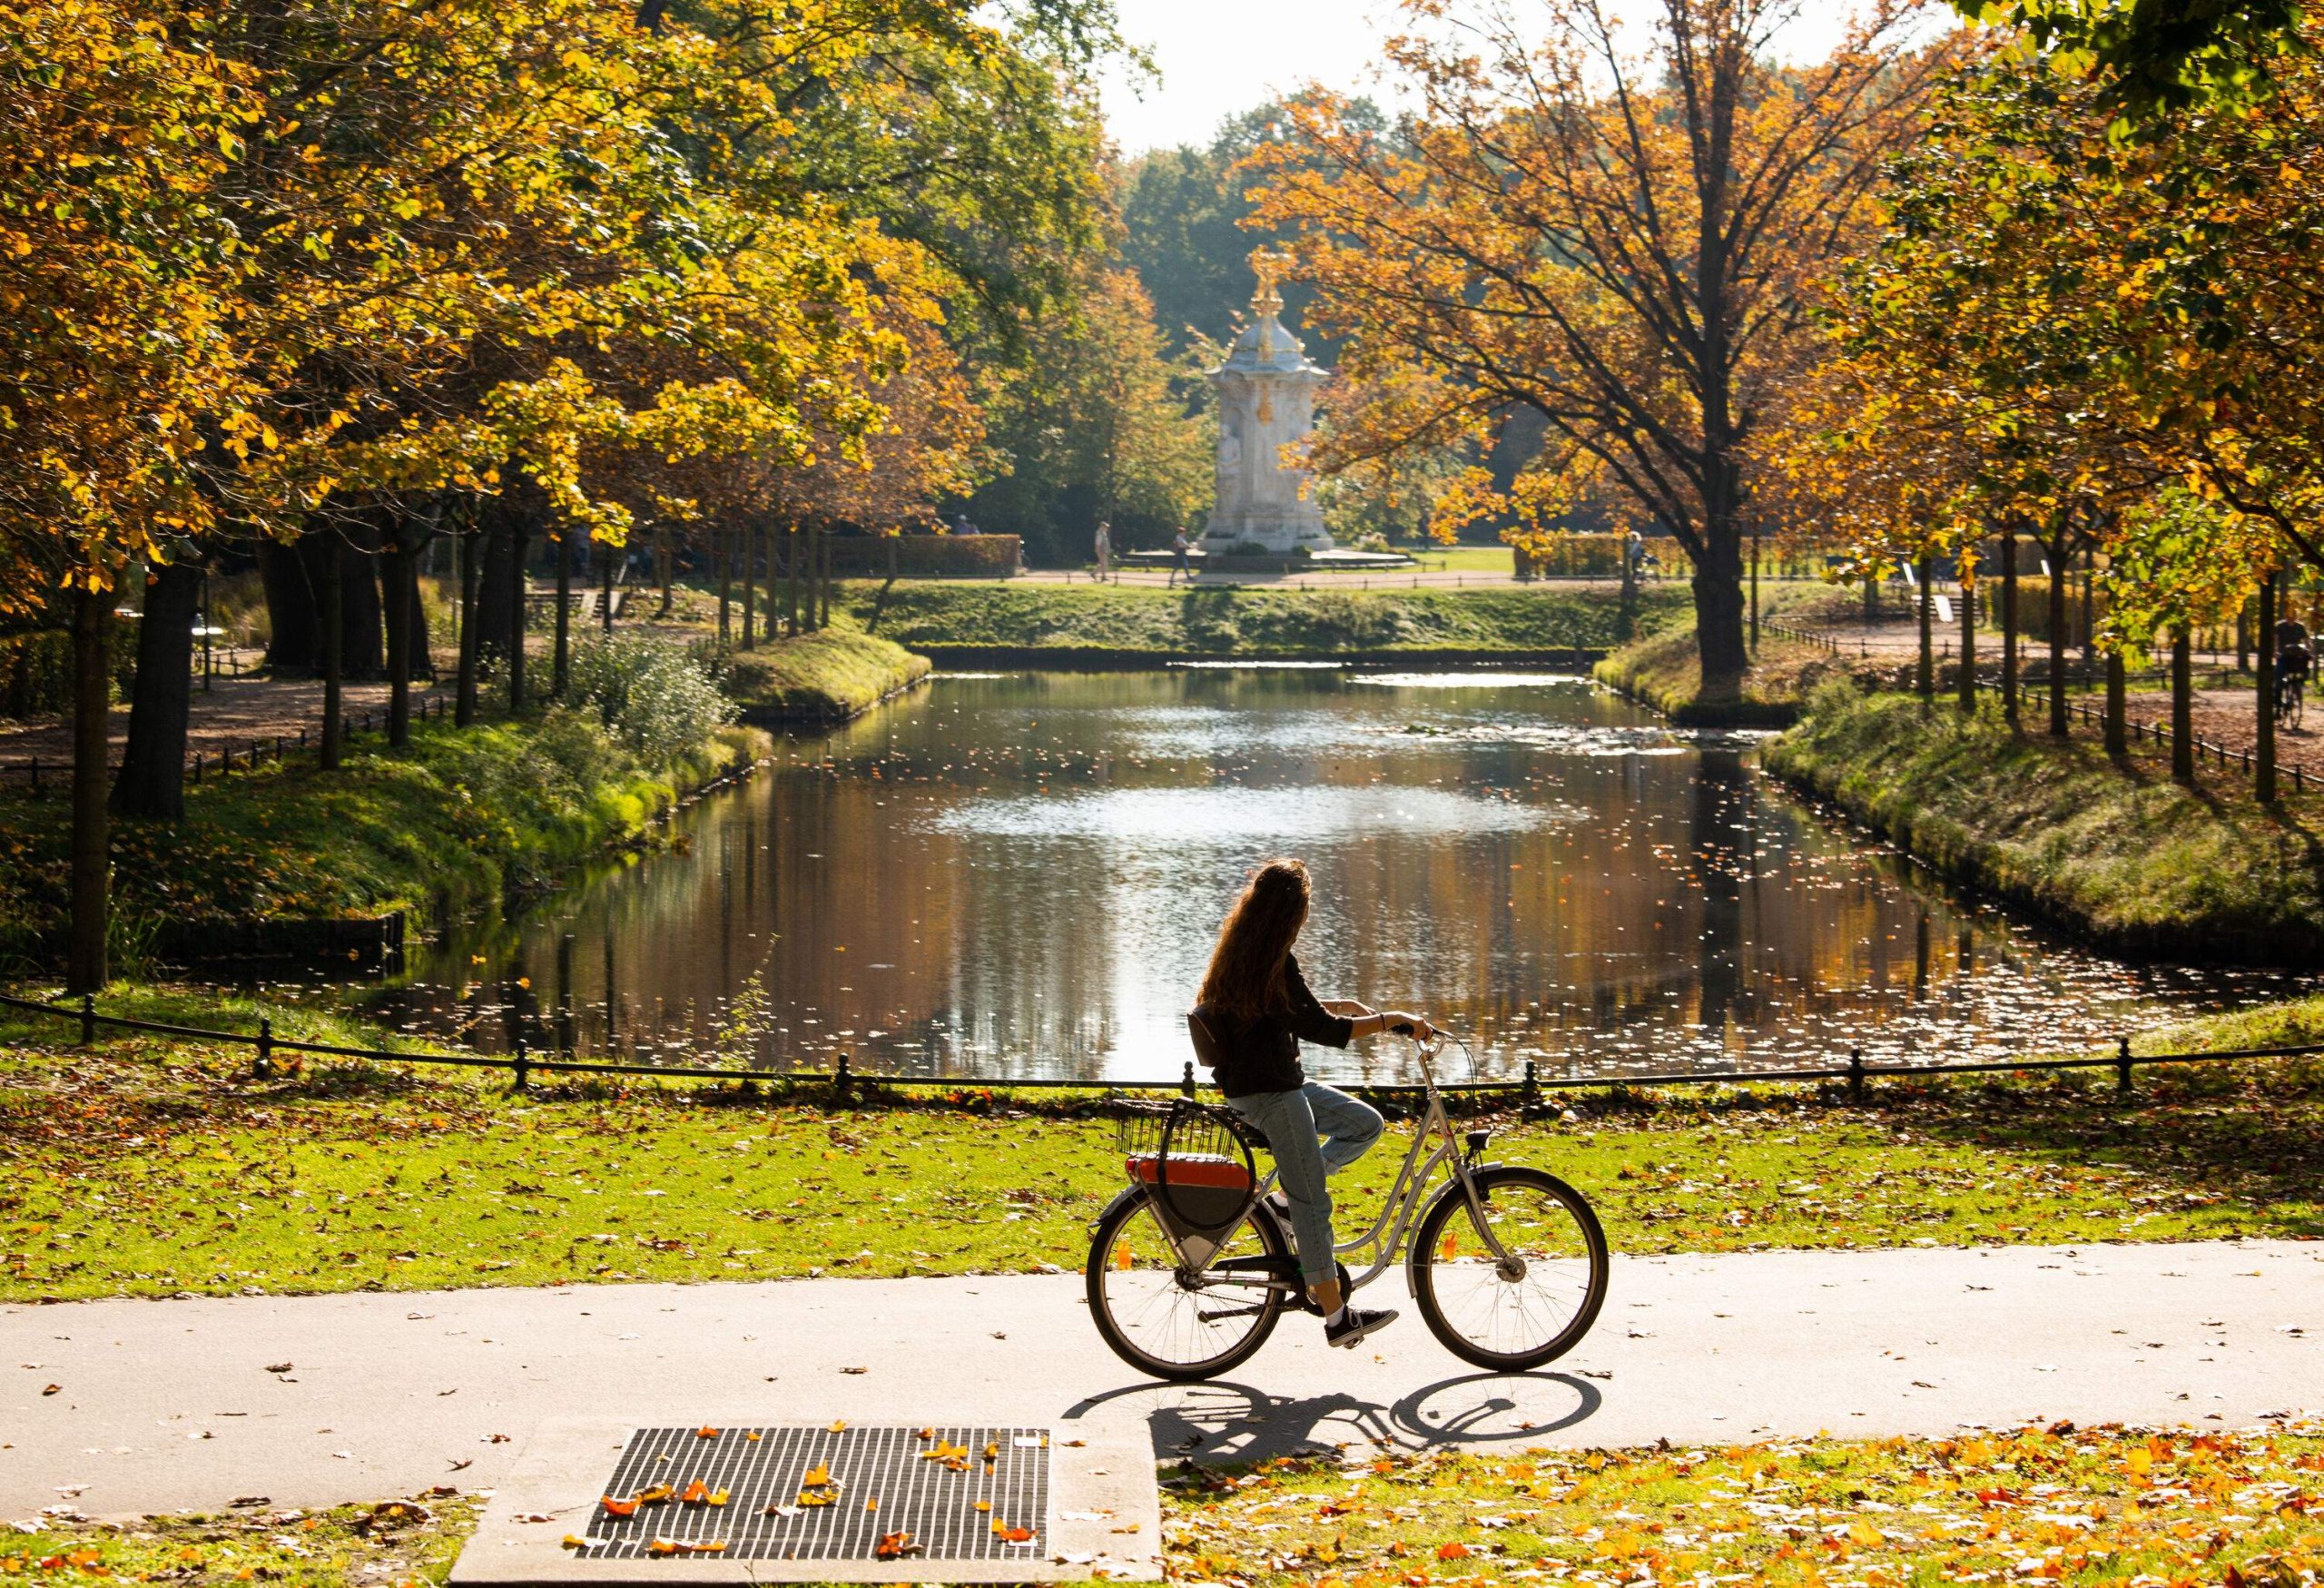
{"points": [[650, 696]]}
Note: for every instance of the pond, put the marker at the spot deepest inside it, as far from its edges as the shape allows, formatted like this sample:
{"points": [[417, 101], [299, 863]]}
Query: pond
{"points": [[1019, 875]]}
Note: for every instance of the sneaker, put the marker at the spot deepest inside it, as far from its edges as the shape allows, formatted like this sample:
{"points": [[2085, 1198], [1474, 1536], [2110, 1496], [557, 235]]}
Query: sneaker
{"points": [[1354, 1325]]}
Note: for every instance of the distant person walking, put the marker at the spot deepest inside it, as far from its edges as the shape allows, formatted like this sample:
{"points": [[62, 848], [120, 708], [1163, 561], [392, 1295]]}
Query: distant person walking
{"points": [[1180, 563], [1104, 546], [961, 525]]}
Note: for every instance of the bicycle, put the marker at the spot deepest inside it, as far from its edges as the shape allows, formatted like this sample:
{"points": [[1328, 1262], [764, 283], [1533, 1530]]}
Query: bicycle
{"points": [[1190, 1267], [2291, 689]]}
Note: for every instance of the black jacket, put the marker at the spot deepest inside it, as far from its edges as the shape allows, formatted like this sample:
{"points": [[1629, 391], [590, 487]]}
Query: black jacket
{"points": [[1262, 1054]]}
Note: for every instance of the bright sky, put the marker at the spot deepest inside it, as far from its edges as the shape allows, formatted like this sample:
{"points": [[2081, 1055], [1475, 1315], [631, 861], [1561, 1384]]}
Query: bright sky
{"points": [[1217, 57]]}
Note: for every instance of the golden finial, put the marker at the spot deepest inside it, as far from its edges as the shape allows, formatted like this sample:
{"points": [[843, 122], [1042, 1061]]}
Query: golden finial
{"points": [[1270, 265]]}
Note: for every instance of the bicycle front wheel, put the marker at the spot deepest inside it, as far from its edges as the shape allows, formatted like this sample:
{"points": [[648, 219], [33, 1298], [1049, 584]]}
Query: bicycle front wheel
{"points": [[1173, 1324], [1528, 1307]]}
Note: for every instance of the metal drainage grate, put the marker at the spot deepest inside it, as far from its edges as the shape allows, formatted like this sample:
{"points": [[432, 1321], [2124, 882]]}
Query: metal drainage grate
{"points": [[881, 1486]]}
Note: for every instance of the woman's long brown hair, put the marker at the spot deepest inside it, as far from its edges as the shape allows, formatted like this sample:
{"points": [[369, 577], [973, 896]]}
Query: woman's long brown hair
{"points": [[1246, 978]]}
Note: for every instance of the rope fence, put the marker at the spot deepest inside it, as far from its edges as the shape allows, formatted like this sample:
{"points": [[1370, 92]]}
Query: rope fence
{"points": [[223, 758], [525, 1062]]}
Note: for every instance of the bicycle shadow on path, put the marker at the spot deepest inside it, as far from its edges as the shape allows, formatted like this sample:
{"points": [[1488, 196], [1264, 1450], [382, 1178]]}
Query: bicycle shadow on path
{"points": [[1224, 1421]]}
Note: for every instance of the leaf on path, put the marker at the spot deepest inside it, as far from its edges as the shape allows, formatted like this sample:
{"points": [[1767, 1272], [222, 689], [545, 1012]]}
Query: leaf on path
{"points": [[894, 1547]]}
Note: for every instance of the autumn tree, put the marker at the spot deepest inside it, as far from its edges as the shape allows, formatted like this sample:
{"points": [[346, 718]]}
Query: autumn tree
{"points": [[1622, 240]]}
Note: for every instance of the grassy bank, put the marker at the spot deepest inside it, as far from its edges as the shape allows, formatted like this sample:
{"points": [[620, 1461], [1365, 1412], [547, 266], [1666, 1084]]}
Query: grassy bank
{"points": [[1132, 621], [463, 816], [818, 678], [2113, 850], [154, 1166], [1665, 672]]}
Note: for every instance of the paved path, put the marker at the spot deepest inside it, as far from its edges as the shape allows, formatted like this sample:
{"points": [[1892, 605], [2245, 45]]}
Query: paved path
{"points": [[172, 1404]]}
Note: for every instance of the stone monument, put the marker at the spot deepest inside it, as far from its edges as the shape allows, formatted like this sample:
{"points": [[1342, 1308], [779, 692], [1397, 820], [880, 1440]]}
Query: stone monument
{"points": [[1267, 400]]}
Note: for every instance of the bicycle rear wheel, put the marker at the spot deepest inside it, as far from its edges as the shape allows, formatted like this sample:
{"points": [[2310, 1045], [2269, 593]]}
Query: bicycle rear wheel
{"points": [[1183, 1325], [1520, 1312]]}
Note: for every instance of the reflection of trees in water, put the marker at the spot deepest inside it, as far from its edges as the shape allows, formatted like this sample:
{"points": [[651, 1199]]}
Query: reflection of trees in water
{"points": [[1647, 908]]}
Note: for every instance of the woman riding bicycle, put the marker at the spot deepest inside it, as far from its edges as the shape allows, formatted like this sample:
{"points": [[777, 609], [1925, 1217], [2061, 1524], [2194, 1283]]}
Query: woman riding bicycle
{"points": [[1254, 1010]]}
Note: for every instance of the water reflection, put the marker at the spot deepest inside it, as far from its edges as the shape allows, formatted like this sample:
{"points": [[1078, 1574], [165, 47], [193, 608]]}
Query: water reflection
{"points": [[1021, 875]]}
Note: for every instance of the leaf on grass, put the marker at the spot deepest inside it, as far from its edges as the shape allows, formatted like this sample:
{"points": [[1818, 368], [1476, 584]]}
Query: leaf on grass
{"points": [[1455, 1551]]}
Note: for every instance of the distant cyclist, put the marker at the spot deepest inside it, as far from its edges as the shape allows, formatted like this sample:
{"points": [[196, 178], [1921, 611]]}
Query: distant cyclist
{"points": [[2295, 658], [1254, 1010]]}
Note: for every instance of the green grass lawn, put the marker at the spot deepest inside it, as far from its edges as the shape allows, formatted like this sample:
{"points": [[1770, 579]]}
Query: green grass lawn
{"points": [[150, 1166], [2056, 1504], [1151, 621]]}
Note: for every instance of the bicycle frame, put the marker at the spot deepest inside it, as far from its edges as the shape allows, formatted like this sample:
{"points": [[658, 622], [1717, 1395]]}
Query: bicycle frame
{"points": [[1389, 1230]]}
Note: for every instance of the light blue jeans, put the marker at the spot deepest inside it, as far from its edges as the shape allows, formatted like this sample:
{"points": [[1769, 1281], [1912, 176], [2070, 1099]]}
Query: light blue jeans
{"points": [[1292, 1121]]}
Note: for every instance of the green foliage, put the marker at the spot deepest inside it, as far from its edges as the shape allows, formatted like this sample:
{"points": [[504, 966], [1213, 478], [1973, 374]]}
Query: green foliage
{"points": [[1095, 426], [653, 697], [1227, 621], [2156, 58], [2117, 852]]}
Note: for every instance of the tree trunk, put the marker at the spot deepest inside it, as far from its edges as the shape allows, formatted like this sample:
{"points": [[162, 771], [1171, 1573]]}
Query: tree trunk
{"points": [[791, 580], [749, 589], [151, 783], [606, 596], [516, 617], [293, 643], [464, 684], [396, 568], [85, 970], [2009, 679], [1968, 645], [824, 579], [719, 539], [2183, 706], [334, 650], [1719, 617], [2263, 770], [561, 669], [362, 652], [2118, 727], [2058, 641], [1871, 598], [665, 561], [1755, 592], [1926, 682]]}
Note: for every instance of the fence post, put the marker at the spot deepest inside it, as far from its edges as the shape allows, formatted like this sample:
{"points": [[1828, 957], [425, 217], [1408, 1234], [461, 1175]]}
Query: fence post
{"points": [[88, 1019], [523, 1065], [2122, 1067], [840, 1081], [1186, 1080], [1529, 1100], [1855, 1075]]}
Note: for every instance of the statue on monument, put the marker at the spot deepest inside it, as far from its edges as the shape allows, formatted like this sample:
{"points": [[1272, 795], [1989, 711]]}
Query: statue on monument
{"points": [[1266, 402]]}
